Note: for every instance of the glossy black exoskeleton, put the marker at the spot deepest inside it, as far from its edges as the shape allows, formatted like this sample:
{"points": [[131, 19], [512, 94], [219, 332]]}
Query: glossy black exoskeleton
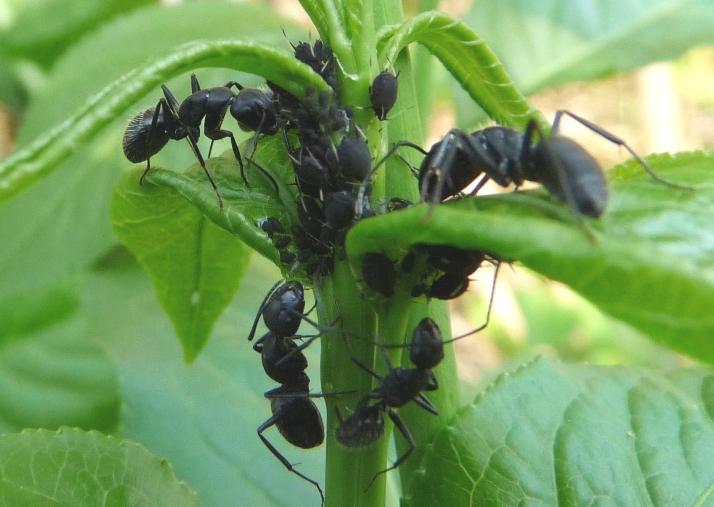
{"points": [[293, 412], [383, 93], [399, 387], [506, 156], [252, 109], [354, 158], [282, 309], [150, 130], [339, 208]]}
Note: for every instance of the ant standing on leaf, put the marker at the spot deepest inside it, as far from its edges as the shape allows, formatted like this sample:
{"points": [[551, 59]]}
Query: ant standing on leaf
{"points": [[150, 130], [506, 156]]}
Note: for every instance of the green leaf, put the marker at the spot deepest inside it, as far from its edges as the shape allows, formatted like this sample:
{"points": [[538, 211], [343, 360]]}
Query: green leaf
{"points": [[244, 209], [72, 468], [467, 57], [51, 372], [546, 43], [556, 434], [202, 417], [42, 30], [67, 213], [195, 265], [651, 266], [23, 168]]}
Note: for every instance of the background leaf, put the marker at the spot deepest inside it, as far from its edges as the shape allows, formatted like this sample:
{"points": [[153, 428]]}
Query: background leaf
{"points": [[203, 417], [552, 42], [78, 469], [470, 61], [651, 267], [545, 44], [42, 30], [196, 266], [52, 372], [551, 434]]}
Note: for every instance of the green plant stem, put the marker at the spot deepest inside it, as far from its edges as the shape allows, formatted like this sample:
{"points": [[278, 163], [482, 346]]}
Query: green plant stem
{"points": [[349, 471]]}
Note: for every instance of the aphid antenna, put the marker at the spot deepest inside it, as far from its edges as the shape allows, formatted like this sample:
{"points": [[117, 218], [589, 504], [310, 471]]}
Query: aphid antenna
{"points": [[488, 311]]}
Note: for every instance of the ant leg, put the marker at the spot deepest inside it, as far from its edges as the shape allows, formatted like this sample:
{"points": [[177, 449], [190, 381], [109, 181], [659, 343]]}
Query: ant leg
{"points": [[230, 84], [215, 134], [261, 308], [171, 100], [366, 180], [311, 338], [615, 140], [254, 144], [399, 424], [267, 175], [197, 153], [488, 311], [271, 422], [195, 87], [423, 401], [161, 108]]}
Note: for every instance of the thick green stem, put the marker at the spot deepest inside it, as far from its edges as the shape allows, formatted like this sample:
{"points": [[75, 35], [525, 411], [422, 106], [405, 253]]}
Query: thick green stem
{"points": [[349, 471], [387, 321]]}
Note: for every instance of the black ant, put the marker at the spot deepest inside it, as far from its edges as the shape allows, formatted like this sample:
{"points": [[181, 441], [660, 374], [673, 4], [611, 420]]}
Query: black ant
{"points": [[506, 156], [252, 109], [150, 130], [397, 388], [400, 386], [293, 411]]}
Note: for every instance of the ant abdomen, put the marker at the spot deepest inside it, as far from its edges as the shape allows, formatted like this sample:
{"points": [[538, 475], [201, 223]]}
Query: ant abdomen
{"points": [[139, 143]]}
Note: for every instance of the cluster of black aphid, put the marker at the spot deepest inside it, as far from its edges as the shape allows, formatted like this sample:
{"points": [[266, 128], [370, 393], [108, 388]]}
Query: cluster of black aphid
{"points": [[327, 174]]}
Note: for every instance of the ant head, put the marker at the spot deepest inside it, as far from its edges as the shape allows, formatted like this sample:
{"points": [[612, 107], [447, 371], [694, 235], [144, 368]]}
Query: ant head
{"points": [[282, 313], [427, 349], [253, 110]]}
